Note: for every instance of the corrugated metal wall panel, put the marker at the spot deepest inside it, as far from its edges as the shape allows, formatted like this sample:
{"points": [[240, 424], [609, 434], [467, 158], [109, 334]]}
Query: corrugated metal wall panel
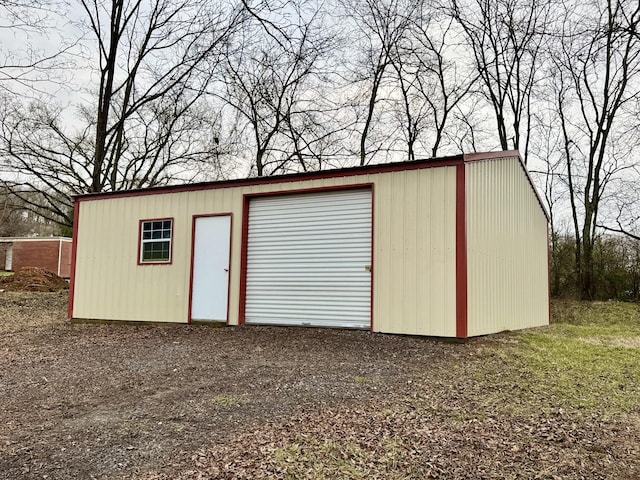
{"points": [[507, 270], [110, 285], [307, 257], [414, 252]]}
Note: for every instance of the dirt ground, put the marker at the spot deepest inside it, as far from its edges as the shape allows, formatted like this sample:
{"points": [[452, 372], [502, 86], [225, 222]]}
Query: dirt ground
{"points": [[33, 279], [97, 401]]}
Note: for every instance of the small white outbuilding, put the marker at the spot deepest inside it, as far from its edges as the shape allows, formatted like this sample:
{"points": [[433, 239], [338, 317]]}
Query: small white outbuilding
{"points": [[448, 247]]}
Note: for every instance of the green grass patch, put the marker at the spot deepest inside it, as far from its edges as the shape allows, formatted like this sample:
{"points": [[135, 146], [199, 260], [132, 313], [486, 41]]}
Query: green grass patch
{"points": [[589, 356], [583, 375], [5, 274], [587, 360]]}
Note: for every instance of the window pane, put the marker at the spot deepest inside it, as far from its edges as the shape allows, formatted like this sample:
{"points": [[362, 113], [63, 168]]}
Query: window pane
{"points": [[155, 251], [156, 240]]}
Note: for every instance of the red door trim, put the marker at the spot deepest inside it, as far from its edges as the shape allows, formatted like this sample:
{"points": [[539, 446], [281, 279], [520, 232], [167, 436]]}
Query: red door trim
{"points": [[246, 200], [193, 242]]}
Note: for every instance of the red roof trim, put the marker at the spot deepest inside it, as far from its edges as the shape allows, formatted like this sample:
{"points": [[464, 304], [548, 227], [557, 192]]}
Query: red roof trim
{"points": [[324, 174], [294, 177]]}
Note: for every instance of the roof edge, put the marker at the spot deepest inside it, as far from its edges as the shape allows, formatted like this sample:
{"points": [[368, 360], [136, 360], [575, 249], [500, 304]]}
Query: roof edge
{"points": [[33, 239], [435, 162], [476, 157], [291, 177]]}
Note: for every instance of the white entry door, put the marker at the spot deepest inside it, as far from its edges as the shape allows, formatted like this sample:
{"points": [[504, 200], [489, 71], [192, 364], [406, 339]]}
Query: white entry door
{"points": [[210, 268]]}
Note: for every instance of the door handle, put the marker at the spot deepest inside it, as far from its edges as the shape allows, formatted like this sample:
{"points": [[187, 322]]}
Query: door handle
{"points": [[226, 269]]}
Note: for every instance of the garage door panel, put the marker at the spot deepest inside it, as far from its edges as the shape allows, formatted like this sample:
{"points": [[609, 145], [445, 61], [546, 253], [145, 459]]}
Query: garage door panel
{"points": [[315, 202], [307, 259]]}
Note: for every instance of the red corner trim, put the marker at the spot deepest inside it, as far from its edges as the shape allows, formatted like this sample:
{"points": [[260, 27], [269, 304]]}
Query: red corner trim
{"points": [[74, 251], [548, 275], [373, 264], [461, 253]]}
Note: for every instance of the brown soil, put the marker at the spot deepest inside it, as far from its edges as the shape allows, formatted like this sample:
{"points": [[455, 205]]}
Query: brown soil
{"points": [[33, 279], [103, 401]]}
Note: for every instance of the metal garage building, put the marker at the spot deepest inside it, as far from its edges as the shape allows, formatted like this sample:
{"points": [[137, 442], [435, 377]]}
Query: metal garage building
{"points": [[450, 247]]}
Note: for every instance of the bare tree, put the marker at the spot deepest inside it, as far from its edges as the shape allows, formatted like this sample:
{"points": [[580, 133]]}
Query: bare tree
{"points": [[597, 76], [147, 53], [18, 220], [380, 27], [505, 38], [37, 53], [147, 125], [431, 84], [268, 76]]}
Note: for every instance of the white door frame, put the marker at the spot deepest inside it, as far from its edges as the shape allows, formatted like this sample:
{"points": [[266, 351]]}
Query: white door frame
{"points": [[227, 261]]}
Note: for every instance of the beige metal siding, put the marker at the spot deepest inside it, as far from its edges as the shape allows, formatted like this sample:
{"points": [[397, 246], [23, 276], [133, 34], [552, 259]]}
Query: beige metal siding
{"points": [[414, 251], [506, 249]]}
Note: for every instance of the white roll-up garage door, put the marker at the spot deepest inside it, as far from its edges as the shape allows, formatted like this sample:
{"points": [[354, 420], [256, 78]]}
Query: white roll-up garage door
{"points": [[309, 259]]}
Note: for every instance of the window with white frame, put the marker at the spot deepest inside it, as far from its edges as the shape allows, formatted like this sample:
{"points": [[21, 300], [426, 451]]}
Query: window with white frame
{"points": [[155, 240]]}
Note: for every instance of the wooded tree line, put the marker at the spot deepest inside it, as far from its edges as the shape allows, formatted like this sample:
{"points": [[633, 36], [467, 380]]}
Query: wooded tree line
{"points": [[104, 95]]}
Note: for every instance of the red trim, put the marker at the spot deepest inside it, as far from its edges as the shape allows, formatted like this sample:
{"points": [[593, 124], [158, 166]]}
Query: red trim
{"points": [[74, 252], [294, 177], [243, 259], [332, 188], [140, 262], [246, 198], [193, 241], [461, 254], [373, 210], [548, 276]]}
